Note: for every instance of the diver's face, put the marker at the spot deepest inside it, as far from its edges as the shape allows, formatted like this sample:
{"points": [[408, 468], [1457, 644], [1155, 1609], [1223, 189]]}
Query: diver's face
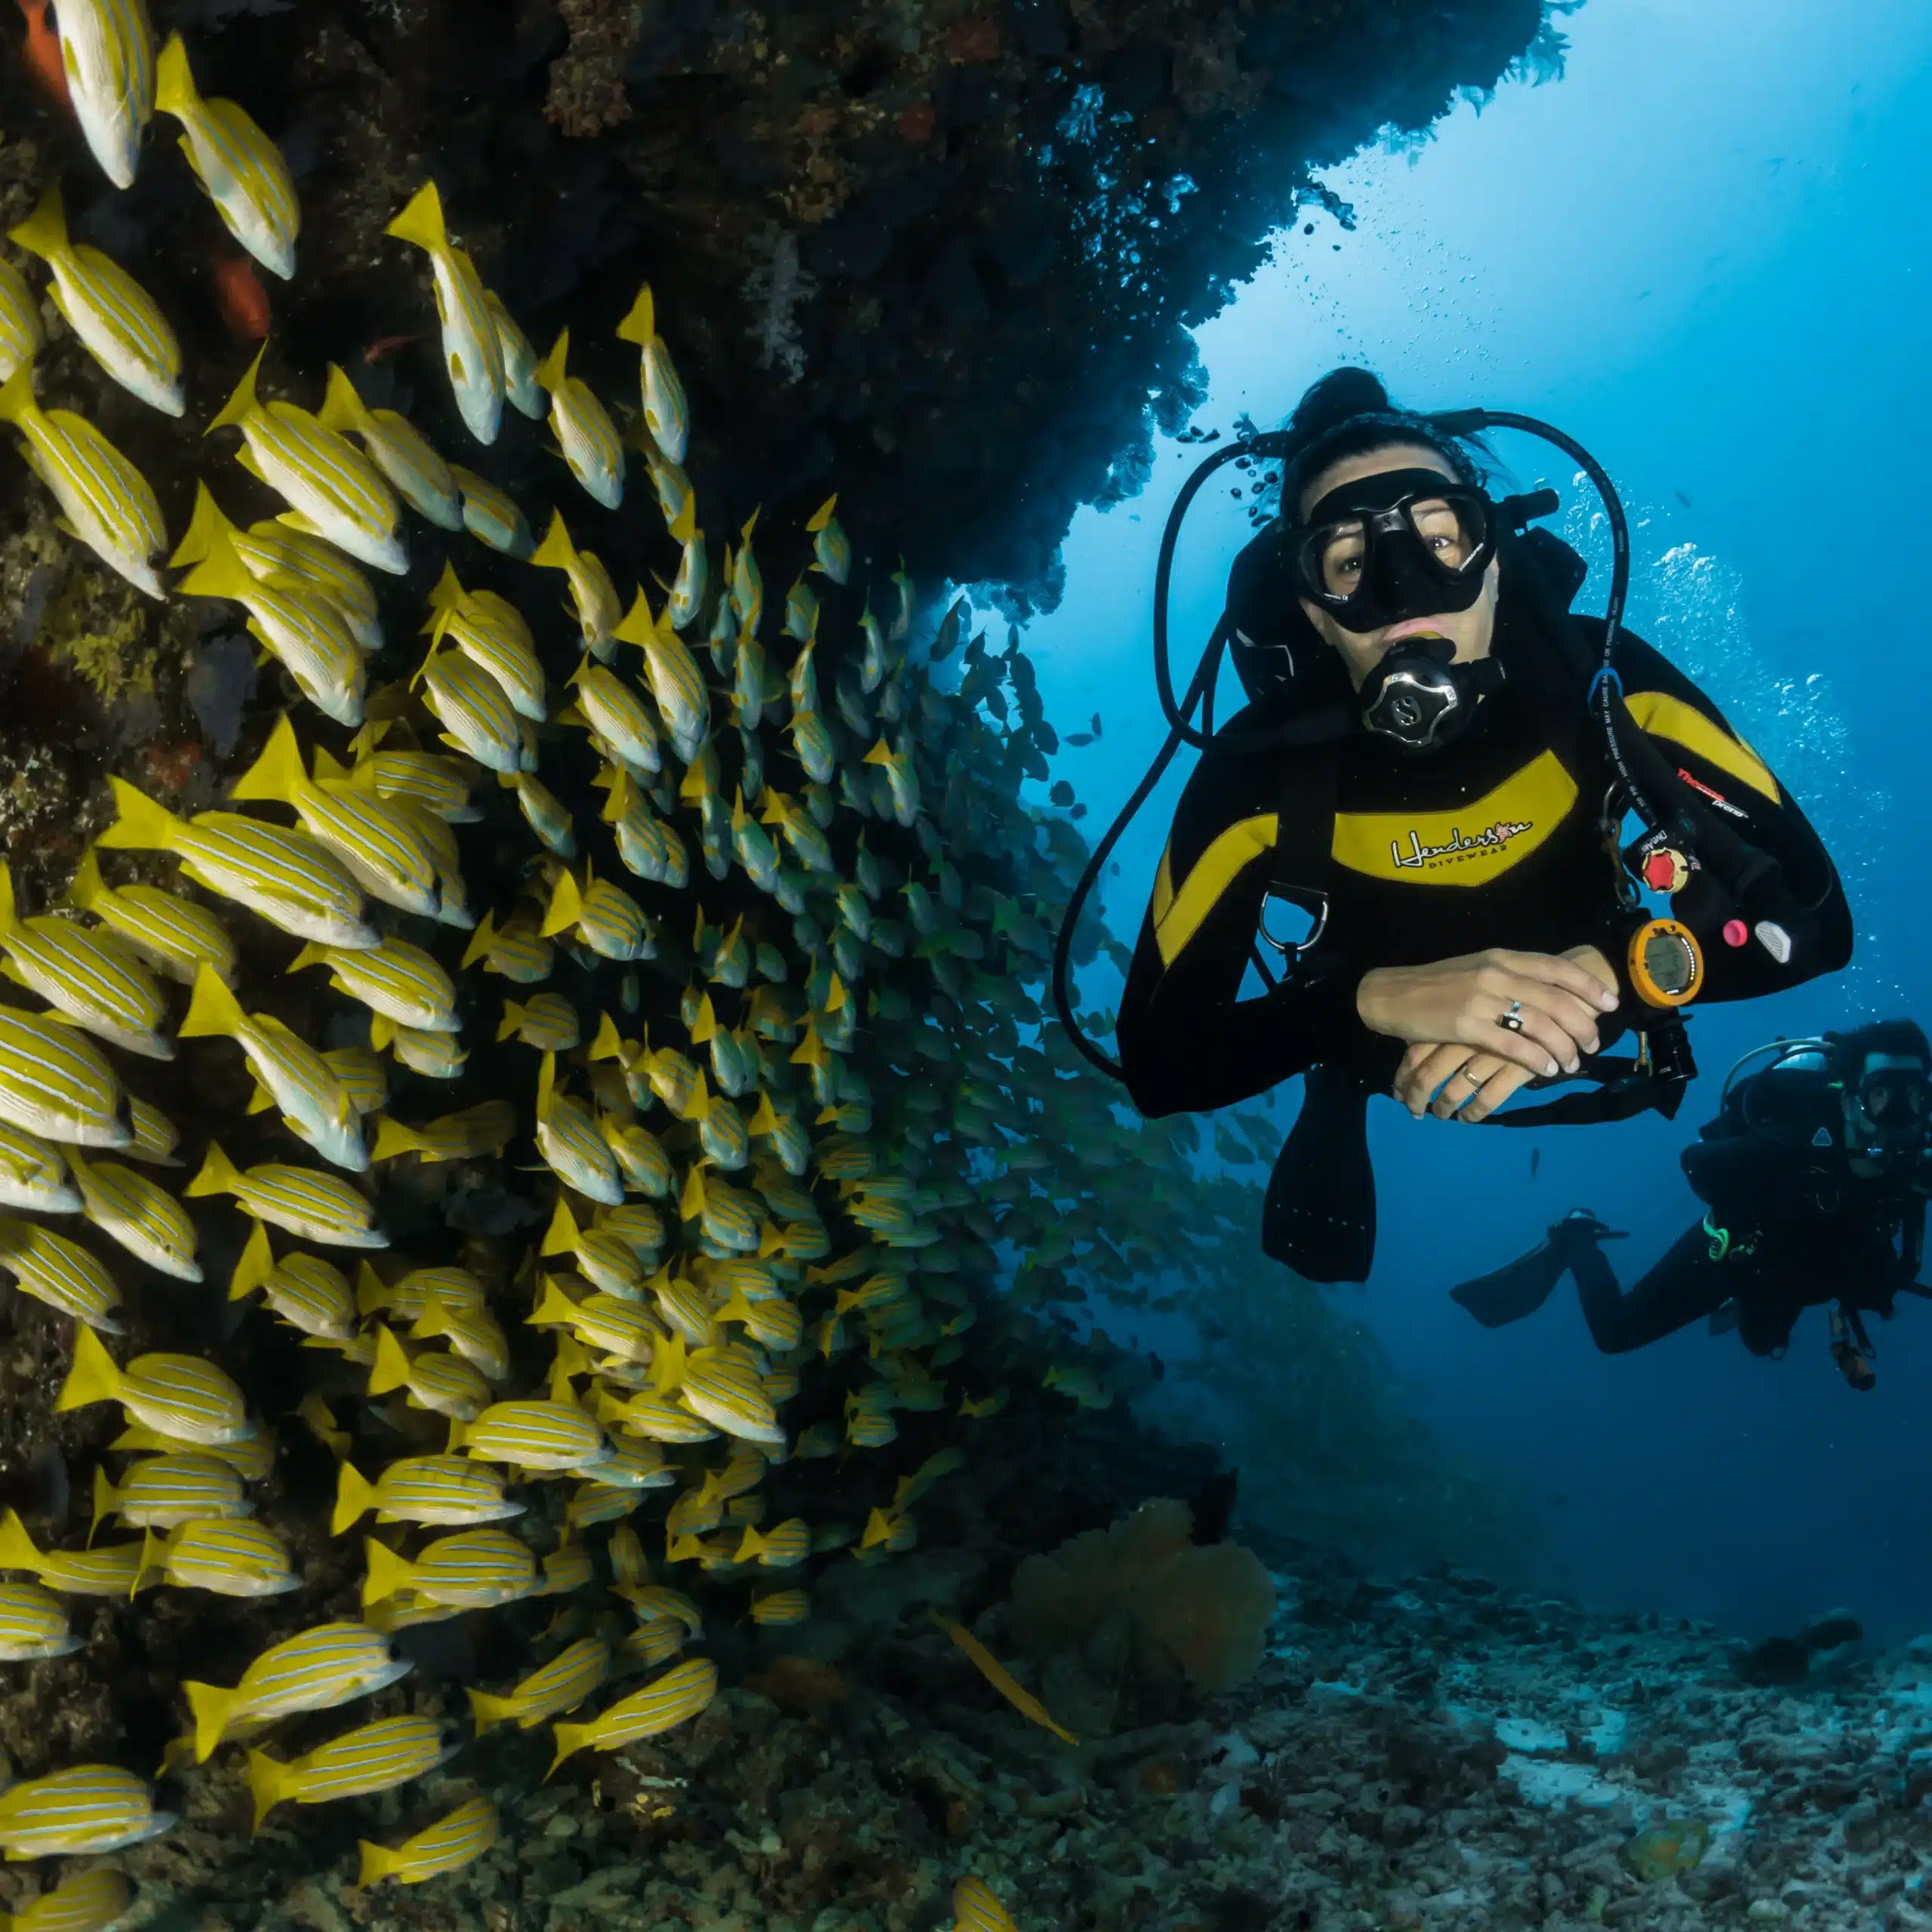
{"points": [[1470, 631], [1884, 1117]]}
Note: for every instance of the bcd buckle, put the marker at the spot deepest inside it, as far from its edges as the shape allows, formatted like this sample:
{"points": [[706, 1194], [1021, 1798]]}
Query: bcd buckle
{"points": [[1308, 900]]}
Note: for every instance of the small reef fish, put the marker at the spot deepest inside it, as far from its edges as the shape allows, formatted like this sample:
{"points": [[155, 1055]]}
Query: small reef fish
{"points": [[459, 1839], [119, 323], [676, 684], [183, 1396], [1002, 1680], [604, 917], [33, 1624], [375, 1757], [55, 1084], [240, 169], [307, 1292], [472, 1569], [517, 954], [334, 491], [398, 448], [83, 1902], [532, 1435], [145, 1219], [423, 1489], [487, 1128], [288, 878], [473, 349], [561, 1685], [109, 1572], [89, 978], [174, 935], [237, 1557], [159, 1492], [666, 413], [108, 503], [243, 301], [680, 1694], [475, 710], [396, 979], [568, 1139], [831, 552], [485, 627], [593, 596], [107, 51], [777, 1609], [491, 514], [437, 1380], [546, 1021], [976, 1908], [300, 1200], [33, 1174], [521, 388], [21, 333], [87, 1808], [315, 1670], [586, 439]]}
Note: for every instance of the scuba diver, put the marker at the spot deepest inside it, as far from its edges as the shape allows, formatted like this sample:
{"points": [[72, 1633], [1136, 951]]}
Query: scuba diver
{"points": [[1815, 1173], [1418, 819]]}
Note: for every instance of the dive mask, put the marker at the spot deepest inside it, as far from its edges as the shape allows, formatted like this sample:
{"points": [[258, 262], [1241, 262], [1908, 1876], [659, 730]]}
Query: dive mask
{"points": [[1891, 1108], [1406, 543]]}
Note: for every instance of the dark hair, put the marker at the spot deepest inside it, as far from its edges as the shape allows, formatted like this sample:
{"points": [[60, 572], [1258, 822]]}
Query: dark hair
{"points": [[1904, 1038], [1348, 412]]}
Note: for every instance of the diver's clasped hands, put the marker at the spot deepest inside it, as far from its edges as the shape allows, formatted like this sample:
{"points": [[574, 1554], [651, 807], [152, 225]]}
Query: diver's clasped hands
{"points": [[1463, 1061]]}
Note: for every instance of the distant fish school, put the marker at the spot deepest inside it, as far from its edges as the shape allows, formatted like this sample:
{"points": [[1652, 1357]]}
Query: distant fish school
{"points": [[691, 1274]]}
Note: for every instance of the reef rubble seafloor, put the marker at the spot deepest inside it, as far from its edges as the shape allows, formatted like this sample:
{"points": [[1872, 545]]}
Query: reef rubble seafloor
{"points": [[1437, 1753]]}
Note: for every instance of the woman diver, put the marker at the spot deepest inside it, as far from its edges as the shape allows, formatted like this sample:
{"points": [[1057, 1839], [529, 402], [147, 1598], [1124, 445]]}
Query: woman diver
{"points": [[1451, 751], [1815, 1173]]}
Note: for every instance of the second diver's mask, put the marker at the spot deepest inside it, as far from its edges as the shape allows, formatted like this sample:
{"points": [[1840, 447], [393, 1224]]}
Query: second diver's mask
{"points": [[1889, 1116], [1383, 549]]}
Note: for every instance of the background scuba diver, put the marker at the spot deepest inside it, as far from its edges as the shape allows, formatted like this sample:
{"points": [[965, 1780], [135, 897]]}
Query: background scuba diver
{"points": [[1815, 1172], [1469, 926]]}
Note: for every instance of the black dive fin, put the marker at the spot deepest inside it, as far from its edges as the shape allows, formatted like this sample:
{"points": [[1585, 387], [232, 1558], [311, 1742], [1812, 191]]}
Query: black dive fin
{"points": [[1517, 1289], [1723, 1319], [1319, 1217]]}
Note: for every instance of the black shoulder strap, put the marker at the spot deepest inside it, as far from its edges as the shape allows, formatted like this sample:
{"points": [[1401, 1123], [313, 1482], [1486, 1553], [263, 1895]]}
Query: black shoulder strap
{"points": [[1304, 837]]}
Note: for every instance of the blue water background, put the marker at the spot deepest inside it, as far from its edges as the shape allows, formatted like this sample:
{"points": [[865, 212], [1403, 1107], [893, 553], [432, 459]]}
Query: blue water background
{"points": [[1703, 252]]}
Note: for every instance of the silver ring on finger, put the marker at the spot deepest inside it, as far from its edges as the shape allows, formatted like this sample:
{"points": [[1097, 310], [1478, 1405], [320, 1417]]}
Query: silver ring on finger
{"points": [[1511, 1022]]}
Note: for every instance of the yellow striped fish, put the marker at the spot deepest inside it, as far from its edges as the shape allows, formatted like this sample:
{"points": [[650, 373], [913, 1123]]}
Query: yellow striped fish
{"points": [[454, 1841], [722, 1390], [561, 1685], [88, 1808], [658, 1419], [491, 630], [616, 715], [298, 1080], [91, 978], [652, 1643], [411, 1297], [300, 1200], [592, 594], [517, 953], [592, 1502], [109, 505], [676, 684], [107, 54], [640, 1227], [666, 415], [474, 710], [473, 1568], [832, 549], [520, 384], [473, 351], [85, 1902], [181, 1396], [423, 1489], [438, 1379], [491, 514], [375, 1757], [487, 1128], [21, 334], [161, 1491], [674, 501], [315, 1670], [252, 1458], [240, 169], [398, 448], [111, 1572], [976, 1908], [307, 1292], [568, 1139], [306, 632], [363, 1079], [775, 1609], [60, 1272], [532, 1434], [235, 1557], [620, 1328], [587, 440], [117, 320], [605, 917], [610, 1260], [439, 783], [685, 599], [679, 1695], [396, 979], [646, 1167], [435, 1056], [542, 811], [145, 1219], [33, 1624], [335, 491], [289, 878], [470, 1329], [173, 934], [33, 1175], [377, 841], [546, 1021]]}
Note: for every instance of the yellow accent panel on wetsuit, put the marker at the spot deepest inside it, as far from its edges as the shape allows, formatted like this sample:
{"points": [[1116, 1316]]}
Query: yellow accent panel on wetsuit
{"points": [[1664, 716], [1470, 845], [1233, 852]]}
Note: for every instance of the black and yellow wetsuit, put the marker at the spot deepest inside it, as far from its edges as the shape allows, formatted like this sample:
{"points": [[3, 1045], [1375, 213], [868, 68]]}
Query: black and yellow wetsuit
{"points": [[1493, 841]]}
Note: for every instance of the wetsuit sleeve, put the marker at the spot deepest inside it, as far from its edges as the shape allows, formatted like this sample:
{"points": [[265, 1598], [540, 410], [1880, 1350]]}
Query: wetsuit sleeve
{"points": [[1187, 1042], [1736, 792]]}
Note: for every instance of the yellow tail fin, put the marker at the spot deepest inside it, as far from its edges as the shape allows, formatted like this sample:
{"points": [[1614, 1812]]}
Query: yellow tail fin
{"points": [[278, 773], [556, 552], [607, 1045], [154, 1557], [549, 374], [211, 1706], [572, 1738], [488, 1710], [480, 941], [421, 221], [45, 231], [213, 1012], [221, 573], [385, 1573], [93, 1377], [563, 1236], [267, 1778], [566, 907], [85, 887], [372, 1292], [637, 625], [640, 325], [511, 1022], [243, 402], [552, 1305], [820, 517], [16, 402], [174, 89], [684, 525], [354, 1497], [141, 824], [393, 1139], [105, 1497], [256, 1264], [219, 1174], [381, 1030], [203, 527], [391, 1369], [342, 410], [546, 1081], [449, 591], [378, 1861]]}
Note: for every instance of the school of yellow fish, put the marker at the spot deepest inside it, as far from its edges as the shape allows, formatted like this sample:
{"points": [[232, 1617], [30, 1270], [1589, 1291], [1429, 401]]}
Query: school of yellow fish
{"points": [[773, 1160]]}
